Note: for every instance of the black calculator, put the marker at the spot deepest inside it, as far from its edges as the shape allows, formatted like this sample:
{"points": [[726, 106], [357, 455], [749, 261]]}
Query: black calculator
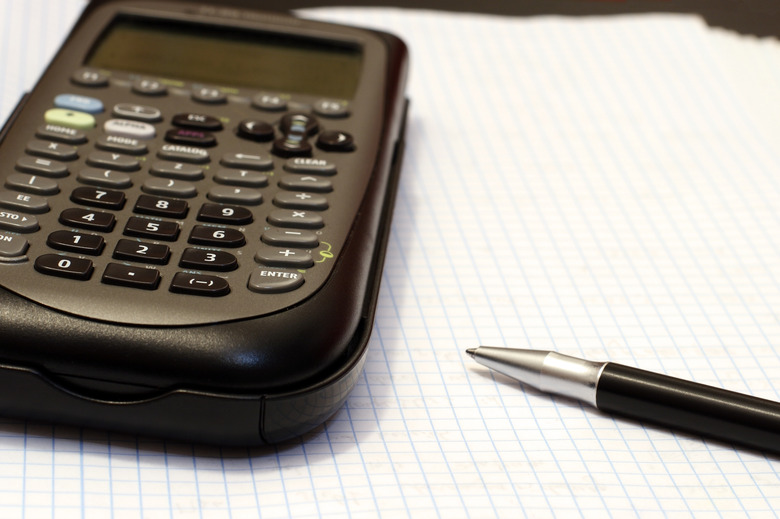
{"points": [[195, 206]]}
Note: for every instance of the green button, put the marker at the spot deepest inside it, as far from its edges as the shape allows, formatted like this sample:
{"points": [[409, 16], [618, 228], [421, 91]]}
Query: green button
{"points": [[70, 118]]}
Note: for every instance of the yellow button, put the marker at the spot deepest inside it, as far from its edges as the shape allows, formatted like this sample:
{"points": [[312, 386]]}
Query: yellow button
{"points": [[69, 118]]}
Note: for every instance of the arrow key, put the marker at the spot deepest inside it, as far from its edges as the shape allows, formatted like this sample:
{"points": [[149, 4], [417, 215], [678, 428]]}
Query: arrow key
{"points": [[334, 140]]}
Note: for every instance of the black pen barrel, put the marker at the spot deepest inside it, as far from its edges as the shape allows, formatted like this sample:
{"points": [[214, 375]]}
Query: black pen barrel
{"points": [[696, 408]]}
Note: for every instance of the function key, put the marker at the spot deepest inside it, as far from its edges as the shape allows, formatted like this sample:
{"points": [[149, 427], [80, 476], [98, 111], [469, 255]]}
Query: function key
{"points": [[216, 236], [16, 222], [128, 128], [79, 103], [256, 130], [306, 183], [269, 102], [310, 166], [145, 228], [133, 277], [122, 144], [247, 161], [104, 198], [32, 184], [156, 206], [335, 140], [274, 280], [43, 167], [86, 219], [296, 219], [69, 118], [149, 87], [131, 250], [235, 195], [290, 238], [52, 150], [12, 248], [208, 260], [64, 266], [199, 285], [76, 242], [331, 108], [109, 160], [281, 257], [90, 78], [197, 121], [227, 214], [170, 187], [178, 170], [24, 202], [301, 200], [55, 132], [209, 95], [138, 112], [104, 178], [241, 177], [180, 153], [191, 137]]}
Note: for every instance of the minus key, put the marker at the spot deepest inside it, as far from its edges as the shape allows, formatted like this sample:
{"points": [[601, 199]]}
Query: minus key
{"points": [[290, 238]]}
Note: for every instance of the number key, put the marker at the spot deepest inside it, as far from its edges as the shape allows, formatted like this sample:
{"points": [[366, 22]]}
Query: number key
{"points": [[131, 250], [208, 260], [76, 242], [218, 213], [64, 266], [216, 236], [157, 206], [145, 228], [86, 219], [105, 198]]}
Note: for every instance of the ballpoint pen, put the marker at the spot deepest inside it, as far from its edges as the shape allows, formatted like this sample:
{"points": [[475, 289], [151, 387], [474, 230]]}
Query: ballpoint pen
{"points": [[643, 395]]}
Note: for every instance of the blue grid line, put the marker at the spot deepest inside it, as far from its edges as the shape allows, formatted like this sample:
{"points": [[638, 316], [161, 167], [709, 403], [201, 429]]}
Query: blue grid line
{"points": [[518, 260], [734, 122], [447, 201]]}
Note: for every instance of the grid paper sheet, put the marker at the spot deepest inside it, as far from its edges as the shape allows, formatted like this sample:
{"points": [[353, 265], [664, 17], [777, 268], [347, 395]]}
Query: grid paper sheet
{"points": [[603, 187]]}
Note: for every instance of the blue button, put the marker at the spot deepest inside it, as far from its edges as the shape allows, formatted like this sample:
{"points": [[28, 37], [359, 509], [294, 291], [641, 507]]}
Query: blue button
{"points": [[86, 104]]}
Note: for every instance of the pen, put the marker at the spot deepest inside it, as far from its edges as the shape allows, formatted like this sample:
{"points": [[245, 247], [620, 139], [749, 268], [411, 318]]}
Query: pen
{"points": [[643, 395]]}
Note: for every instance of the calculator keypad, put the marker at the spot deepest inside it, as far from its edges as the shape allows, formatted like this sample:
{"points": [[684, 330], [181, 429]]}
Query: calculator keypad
{"points": [[194, 191]]}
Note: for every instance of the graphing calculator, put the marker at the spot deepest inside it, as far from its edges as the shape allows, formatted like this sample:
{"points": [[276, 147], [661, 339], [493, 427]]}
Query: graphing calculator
{"points": [[195, 204]]}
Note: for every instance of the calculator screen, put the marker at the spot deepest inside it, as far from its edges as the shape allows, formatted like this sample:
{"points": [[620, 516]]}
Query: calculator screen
{"points": [[218, 55]]}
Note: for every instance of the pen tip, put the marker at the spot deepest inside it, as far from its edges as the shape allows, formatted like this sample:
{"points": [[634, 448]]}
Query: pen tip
{"points": [[471, 352]]}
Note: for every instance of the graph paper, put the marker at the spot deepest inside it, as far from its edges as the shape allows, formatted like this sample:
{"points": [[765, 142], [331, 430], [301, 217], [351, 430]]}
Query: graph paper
{"points": [[605, 187]]}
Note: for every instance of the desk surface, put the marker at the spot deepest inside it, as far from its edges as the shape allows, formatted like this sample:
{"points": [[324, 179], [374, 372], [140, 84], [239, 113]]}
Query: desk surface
{"points": [[604, 187]]}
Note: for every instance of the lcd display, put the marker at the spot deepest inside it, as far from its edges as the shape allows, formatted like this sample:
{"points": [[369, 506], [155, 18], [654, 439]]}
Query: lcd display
{"points": [[229, 57]]}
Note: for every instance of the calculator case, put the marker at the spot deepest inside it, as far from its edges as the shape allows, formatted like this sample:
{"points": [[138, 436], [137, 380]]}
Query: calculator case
{"points": [[215, 371]]}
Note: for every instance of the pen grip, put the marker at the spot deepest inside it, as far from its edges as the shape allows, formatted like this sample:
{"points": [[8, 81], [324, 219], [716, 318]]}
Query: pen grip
{"points": [[686, 405]]}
